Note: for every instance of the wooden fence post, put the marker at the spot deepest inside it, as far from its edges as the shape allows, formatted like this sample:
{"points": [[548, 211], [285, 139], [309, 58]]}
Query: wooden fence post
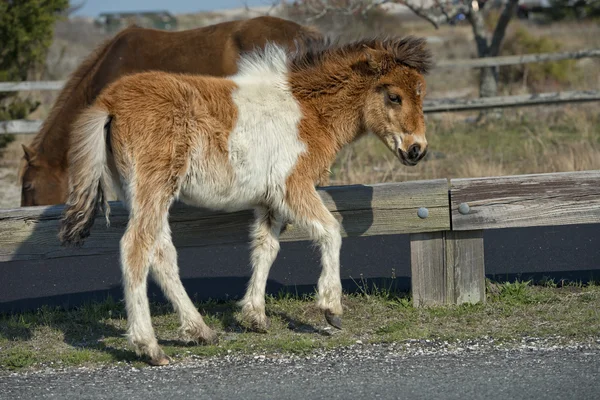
{"points": [[447, 268], [465, 267], [477, 204], [428, 269]]}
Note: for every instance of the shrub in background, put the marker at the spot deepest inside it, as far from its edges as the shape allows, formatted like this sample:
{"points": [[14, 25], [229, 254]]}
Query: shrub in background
{"points": [[26, 30], [536, 76]]}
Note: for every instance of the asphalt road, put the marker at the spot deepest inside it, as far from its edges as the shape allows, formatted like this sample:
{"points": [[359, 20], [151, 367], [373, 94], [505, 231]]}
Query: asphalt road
{"points": [[360, 372]]}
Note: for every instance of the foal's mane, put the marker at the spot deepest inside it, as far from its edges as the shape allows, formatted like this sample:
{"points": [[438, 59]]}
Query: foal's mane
{"points": [[410, 51], [309, 52]]}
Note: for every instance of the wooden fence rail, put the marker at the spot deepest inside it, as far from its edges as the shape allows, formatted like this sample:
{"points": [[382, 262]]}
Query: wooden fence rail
{"points": [[449, 105], [20, 126], [518, 59], [364, 210], [467, 63], [430, 106], [445, 220], [31, 85]]}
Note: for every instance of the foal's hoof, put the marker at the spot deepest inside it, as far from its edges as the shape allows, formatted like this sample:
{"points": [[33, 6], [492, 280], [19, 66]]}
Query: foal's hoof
{"points": [[159, 361], [211, 339], [333, 320], [261, 326], [198, 334]]}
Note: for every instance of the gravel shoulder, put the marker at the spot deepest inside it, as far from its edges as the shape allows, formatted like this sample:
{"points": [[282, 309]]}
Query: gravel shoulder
{"points": [[550, 368], [93, 335]]}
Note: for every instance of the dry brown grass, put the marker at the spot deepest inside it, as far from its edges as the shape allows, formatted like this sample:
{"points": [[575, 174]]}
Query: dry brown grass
{"points": [[568, 140]]}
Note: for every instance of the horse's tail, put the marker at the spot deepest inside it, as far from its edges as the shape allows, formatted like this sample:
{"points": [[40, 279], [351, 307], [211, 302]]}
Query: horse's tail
{"points": [[88, 175]]}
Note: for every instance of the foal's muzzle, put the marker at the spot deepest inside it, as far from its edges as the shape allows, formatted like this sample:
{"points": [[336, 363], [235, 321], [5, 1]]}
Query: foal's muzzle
{"points": [[414, 154]]}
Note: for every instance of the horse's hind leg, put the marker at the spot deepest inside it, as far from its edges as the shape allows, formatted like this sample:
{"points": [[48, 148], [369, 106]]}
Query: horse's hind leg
{"points": [[137, 246], [166, 273], [265, 246]]}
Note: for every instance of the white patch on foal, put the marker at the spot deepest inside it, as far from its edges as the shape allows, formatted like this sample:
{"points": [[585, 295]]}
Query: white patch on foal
{"points": [[264, 145]]}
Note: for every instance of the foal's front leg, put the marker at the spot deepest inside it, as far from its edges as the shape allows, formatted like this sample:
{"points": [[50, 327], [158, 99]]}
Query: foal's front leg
{"points": [[307, 208], [265, 246]]}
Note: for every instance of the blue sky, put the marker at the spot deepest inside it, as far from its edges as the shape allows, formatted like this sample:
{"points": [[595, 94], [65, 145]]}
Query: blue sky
{"points": [[94, 7]]}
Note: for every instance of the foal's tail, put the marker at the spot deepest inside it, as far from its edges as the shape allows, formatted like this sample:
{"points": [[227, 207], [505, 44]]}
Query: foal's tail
{"points": [[88, 176]]}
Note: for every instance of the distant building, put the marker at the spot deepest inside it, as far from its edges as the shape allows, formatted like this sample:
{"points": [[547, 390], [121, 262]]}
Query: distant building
{"points": [[113, 22]]}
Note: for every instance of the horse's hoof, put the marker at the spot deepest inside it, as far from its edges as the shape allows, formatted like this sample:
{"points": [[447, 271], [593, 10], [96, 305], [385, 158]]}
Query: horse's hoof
{"points": [[159, 361], [333, 320], [212, 339], [261, 327], [198, 334]]}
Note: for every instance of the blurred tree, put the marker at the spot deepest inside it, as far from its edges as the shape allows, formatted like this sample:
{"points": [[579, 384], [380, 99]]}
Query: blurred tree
{"points": [[26, 31], [436, 12]]}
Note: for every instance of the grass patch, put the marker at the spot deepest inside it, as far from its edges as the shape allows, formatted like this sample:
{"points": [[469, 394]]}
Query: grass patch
{"points": [[17, 358], [93, 334]]}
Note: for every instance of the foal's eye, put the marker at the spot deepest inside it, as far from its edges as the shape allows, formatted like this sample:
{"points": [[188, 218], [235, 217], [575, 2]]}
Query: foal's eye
{"points": [[394, 98]]}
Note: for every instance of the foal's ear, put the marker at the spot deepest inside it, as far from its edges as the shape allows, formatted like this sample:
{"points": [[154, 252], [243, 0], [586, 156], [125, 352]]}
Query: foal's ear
{"points": [[420, 90], [370, 61], [29, 153]]}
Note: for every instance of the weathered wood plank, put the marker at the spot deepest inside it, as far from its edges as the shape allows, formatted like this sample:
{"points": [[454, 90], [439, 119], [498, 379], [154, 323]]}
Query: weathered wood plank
{"points": [[526, 200], [447, 105], [467, 63], [20, 126], [465, 267], [447, 268], [31, 85], [428, 269], [364, 210], [515, 60]]}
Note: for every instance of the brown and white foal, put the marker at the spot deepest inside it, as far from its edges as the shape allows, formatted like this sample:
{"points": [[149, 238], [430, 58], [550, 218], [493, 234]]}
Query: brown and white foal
{"points": [[258, 139]]}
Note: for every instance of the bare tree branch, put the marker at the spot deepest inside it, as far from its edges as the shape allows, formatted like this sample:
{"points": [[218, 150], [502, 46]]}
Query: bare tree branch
{"points": [[436, 12], [317, 9], [447, 10], [373, 5], [74, 8], [427, 15], [249, 10], [439, 4], [507, 13]]}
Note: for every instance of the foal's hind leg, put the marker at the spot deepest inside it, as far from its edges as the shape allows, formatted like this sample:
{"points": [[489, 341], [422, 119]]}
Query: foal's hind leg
{"points": [[166, 273], [265, 246], [137, 246], [307, 208]]}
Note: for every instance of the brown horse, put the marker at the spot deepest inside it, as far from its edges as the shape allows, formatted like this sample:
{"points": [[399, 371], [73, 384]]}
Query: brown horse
{"points": [[258, 139], [212, 50]]}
